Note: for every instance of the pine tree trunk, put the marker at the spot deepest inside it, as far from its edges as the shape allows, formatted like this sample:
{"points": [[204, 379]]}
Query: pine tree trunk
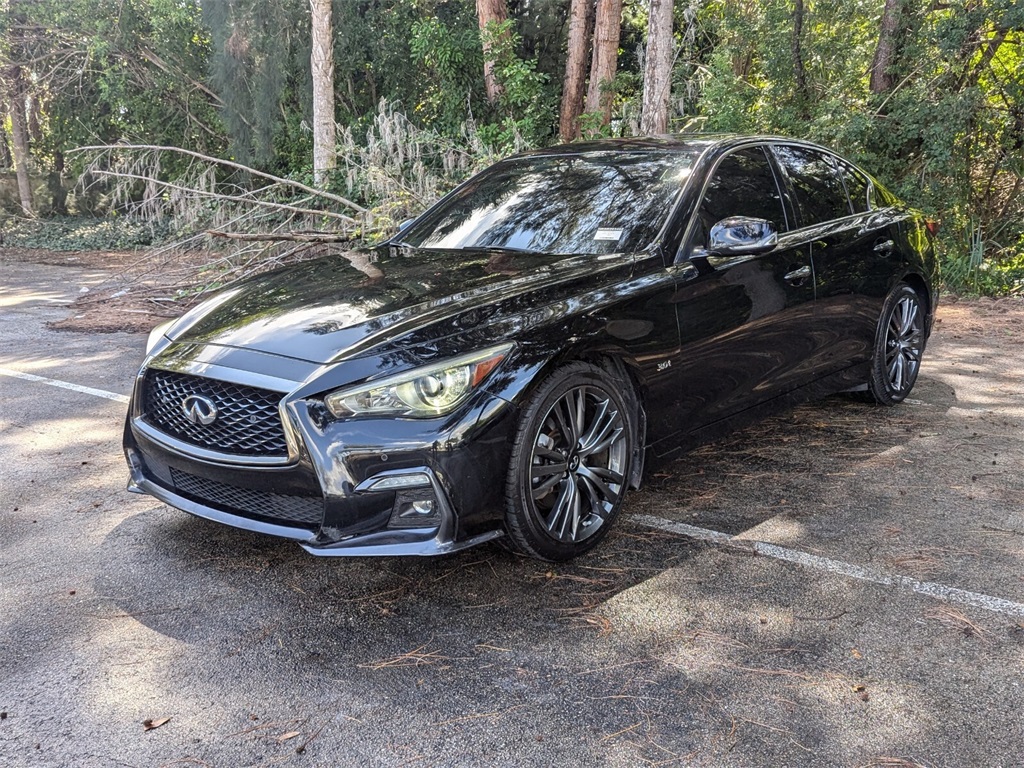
{"points": [[19, 134], [885, 51], [322, 69], [657, 69], [490, 12], [6, 161], [574, 87], [799, 71], [605, 59], [55, 185]]}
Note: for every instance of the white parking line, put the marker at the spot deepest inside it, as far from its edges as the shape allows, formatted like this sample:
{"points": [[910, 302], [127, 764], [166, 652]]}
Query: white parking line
{"points": [[932, 589], [65, 385]]}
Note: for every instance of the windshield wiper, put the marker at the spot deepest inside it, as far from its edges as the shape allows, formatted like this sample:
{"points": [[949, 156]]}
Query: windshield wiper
{"points": [[507, 248]]}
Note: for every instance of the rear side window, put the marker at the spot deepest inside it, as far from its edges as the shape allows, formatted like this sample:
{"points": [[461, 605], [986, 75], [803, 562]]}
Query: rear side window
{"points": [[817, 182], [859, 187], [742, 185]]}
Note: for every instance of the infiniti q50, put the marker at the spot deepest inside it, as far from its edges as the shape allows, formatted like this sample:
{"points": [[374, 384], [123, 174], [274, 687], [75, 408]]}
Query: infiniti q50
{"points": [[509, 362]]}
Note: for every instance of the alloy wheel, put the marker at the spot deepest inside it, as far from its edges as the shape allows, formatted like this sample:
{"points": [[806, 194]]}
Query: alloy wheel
{"points": [[577, 464], [903, 343]]}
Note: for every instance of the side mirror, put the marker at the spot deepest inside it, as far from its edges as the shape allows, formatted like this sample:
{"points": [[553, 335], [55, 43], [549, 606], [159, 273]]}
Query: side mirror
{"points": [[404, 225], [742, 236]]}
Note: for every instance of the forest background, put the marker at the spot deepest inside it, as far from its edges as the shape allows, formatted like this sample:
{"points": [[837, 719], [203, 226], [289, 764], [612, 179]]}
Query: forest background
{"points": [[129, 123]]}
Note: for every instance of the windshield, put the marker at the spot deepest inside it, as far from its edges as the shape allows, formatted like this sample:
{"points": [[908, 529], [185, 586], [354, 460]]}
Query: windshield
{"points": [[598, 202]]}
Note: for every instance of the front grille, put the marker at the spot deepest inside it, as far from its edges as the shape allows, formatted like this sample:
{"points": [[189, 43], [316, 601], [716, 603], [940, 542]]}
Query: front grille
{"points": [[247, 423], [278, 507]]}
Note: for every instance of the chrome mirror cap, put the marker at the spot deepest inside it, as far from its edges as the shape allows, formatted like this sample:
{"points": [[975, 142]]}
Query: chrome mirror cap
{"points": [[742, 236]]}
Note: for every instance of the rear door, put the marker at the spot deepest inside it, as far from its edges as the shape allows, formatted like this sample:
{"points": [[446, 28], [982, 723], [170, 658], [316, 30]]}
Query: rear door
{"points": [[742, 323], [849, 240]]}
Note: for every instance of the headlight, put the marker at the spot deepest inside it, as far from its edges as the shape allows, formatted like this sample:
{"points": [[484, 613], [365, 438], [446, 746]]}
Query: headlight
{"points": [[422, 392]]}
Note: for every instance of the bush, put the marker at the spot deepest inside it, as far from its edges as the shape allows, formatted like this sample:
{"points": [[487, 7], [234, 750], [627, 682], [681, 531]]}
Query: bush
{"points": [[83, 234]]}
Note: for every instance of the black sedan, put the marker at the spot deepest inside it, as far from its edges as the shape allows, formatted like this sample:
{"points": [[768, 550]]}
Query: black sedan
{"points": [[507, 364]]}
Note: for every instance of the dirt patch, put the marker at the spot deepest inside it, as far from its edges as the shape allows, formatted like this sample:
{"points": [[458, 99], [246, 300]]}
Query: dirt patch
{"points": [[144, 287], [993, 320], [147, 287], [113, 261]]}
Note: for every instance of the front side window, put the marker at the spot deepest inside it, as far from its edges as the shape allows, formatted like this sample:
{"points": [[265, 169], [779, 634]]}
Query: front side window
{"points": [[819, 188], [595, 202], [743, 184]]}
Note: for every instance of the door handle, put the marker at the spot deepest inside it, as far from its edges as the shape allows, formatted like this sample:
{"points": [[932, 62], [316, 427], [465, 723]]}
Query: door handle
{"points": [[797, 276], [884, 247]]}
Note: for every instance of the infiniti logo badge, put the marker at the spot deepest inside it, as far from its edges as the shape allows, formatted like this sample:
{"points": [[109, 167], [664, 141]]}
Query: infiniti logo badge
{"points": [[199, 409]]}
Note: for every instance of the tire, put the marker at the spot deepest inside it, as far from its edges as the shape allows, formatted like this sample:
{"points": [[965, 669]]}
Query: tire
{"points": [[570, 464], [899, 345]]}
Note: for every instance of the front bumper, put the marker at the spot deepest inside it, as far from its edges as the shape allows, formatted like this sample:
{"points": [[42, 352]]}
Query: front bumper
{"points": [[336, 493], [438, 540]]}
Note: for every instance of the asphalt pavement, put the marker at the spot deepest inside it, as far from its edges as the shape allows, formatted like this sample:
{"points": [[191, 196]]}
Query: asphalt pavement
{"points": [[841, 585]]}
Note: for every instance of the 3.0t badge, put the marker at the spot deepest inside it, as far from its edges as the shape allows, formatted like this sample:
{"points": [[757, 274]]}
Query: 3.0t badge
{"points": [[199, 409]]}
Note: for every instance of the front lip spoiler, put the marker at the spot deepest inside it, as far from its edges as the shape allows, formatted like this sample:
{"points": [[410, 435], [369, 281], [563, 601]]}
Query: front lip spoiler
{"points": [[415, 542], [421, 542]]}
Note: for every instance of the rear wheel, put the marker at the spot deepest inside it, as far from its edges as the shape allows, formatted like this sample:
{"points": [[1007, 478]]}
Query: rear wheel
{"points": [[899, 345], [570, 463]]}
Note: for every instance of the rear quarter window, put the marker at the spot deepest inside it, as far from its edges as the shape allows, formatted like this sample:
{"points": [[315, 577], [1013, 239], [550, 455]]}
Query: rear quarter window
{"points": [[885, 198], [859, 188]]}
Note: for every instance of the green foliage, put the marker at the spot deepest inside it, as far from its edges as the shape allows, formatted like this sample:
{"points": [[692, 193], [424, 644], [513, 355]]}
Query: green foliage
{"points": [[111, 233], [625, 92], [969, 272], [96, 65], [1010, 271], [525, 110], [450, 62], [252, 45]]}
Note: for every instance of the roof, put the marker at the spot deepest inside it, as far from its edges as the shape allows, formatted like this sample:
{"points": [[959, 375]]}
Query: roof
{"points": [[664, 143], [639, 143]]}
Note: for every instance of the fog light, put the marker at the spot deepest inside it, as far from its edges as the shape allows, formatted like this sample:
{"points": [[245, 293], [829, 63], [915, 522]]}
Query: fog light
{"points": [[425, 507], [410, 511], [414, 511]]}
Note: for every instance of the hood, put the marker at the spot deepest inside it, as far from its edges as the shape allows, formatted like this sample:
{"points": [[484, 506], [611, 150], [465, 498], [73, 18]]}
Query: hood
{"points": [[348, 302]]}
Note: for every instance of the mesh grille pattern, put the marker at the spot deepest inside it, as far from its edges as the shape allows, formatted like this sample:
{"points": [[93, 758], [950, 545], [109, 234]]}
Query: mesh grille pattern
{"points": [[306, 510], [247, 423]]}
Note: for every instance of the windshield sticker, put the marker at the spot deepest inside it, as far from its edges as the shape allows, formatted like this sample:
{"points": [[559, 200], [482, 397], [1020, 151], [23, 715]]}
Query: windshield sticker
{"points": [[608, 234]]}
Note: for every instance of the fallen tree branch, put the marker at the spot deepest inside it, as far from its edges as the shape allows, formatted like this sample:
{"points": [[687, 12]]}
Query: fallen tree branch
{"points": [[229, 198], [218, 161], [295, 237]]}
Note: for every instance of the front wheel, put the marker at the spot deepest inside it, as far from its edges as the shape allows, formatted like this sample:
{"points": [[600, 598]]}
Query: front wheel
{"points": [[570, 463], [899, 345]]}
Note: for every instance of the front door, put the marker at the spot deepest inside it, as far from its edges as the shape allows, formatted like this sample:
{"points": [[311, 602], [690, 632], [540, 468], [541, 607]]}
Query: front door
{"points": [[743, 323]]}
